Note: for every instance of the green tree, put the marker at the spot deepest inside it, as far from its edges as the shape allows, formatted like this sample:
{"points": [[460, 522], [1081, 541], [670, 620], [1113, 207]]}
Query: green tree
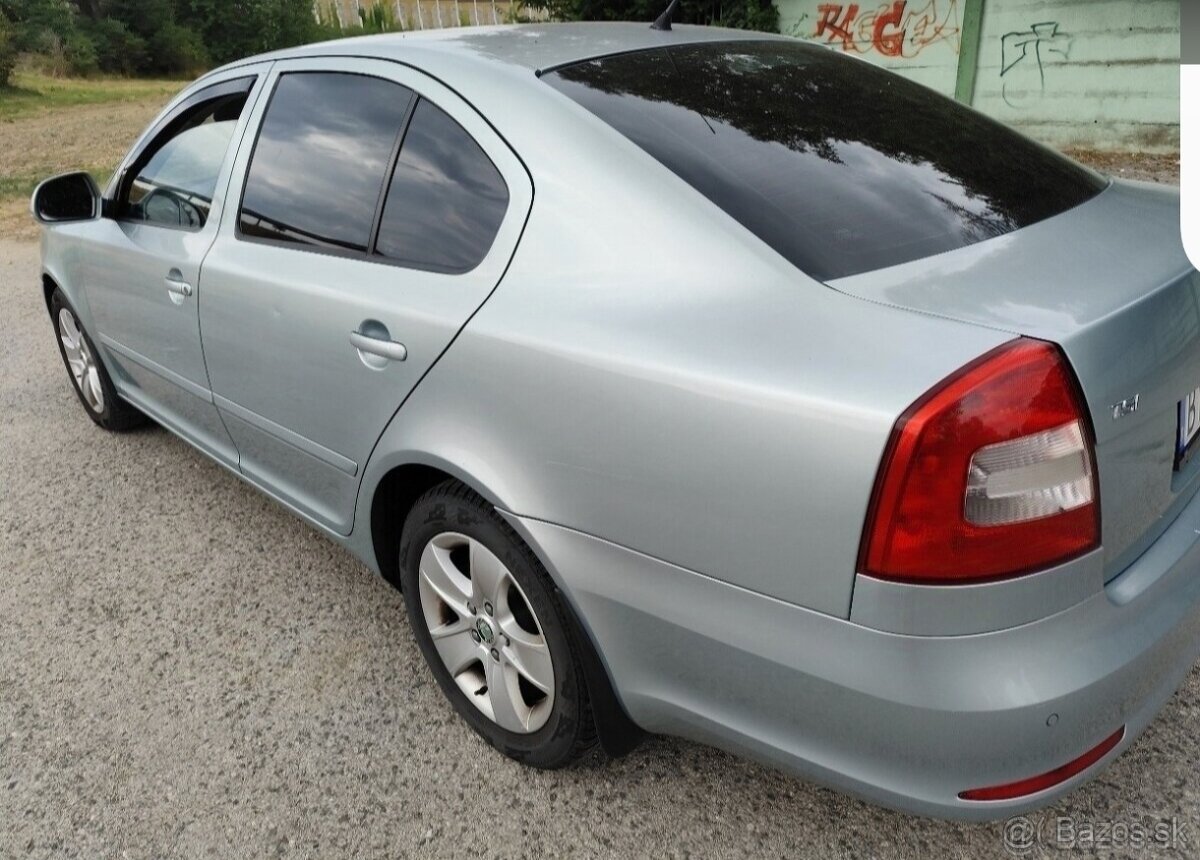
{"points": [[169, 46], [118, 51], [79, 53], [36, 24], [232, 29], [180, 37], [8, 51], [144, 17], [177, 50]]}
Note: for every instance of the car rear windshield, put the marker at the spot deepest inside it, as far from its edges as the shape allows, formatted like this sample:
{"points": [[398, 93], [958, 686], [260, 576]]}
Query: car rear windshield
{"points": [[839, 166]]}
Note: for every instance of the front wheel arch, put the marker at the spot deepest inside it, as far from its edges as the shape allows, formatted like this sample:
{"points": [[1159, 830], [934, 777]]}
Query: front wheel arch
{"points": [[75, 297], [48, 288]]}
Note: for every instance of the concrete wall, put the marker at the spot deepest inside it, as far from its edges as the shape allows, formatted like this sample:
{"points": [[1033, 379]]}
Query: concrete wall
{"points": [[1089, 73], [922, 42], [1101, 72]]}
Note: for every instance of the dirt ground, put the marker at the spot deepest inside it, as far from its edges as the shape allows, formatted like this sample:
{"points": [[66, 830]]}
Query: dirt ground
{"points": [[92, 137], [1140, 166]]}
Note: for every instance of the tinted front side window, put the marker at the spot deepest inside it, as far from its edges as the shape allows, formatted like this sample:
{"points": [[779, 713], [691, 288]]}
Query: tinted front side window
{"points": [[839, 166], [175, 187], [446, 200], [321, 158]]}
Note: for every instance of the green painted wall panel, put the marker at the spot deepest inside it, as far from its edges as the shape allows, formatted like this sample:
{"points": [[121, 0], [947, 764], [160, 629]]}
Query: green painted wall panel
{"points": [[1089, 73], [1098, 74]]}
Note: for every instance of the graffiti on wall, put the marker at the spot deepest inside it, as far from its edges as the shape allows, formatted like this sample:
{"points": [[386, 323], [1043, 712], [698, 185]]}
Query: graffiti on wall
{"points": [[897, 28], [1027, 53]]}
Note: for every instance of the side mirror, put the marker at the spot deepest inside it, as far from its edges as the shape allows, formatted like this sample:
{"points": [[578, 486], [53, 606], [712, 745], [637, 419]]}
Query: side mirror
{"points": [[68, 197]]}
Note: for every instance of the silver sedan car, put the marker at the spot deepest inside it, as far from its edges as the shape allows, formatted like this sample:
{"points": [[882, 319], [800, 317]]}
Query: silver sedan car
{"points": [[694, 381]]}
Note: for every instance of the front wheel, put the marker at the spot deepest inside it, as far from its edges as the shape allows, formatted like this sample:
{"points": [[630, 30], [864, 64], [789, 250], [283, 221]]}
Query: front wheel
{"points": [[489, 622], [92, 382]]}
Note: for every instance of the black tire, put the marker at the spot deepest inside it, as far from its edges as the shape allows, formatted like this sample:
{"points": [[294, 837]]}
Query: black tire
{"points": [[569, 732], [116, 415]]}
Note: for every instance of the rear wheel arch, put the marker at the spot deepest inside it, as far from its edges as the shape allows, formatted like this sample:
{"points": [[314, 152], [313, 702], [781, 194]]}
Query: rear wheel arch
{"points": [[394, 497], [396, 494]]}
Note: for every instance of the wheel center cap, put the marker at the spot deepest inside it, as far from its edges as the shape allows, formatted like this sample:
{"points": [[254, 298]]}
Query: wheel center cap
{"points": [[485, 631]]}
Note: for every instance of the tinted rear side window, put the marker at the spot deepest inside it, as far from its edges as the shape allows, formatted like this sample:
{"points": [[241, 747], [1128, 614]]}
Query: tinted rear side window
{"points": [[321, 159], [839, 166], [446, 199]]}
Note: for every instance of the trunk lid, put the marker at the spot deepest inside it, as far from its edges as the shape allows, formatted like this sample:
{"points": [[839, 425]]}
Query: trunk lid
{"points": [[1110, 283]]}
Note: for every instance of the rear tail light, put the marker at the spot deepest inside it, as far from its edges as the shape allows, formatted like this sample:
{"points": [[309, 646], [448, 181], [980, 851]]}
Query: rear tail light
{"points": [[989, 475]]}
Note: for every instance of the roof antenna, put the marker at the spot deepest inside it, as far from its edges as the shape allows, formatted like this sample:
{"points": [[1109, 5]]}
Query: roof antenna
{"points": [[663, 21]]}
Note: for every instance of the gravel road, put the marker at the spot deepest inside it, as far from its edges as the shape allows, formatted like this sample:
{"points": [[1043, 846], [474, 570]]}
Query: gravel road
{"points": [[188, 671]]}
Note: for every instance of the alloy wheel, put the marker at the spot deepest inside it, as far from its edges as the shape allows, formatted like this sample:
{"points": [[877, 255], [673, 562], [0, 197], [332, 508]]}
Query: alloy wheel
{"points": [[81, 361], [486, 632]]}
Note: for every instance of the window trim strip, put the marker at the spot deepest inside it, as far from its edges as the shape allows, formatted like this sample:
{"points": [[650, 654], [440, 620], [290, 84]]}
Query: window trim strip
{"points": [[390, 173]]}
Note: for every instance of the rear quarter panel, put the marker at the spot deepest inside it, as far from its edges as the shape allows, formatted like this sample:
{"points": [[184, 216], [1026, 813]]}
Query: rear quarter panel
{"points": [[1109, 282], [648, 372]]}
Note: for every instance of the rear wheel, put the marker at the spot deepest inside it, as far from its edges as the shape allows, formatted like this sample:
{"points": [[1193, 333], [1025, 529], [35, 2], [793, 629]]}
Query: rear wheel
{"points": [[489, 622], [92, 382]]}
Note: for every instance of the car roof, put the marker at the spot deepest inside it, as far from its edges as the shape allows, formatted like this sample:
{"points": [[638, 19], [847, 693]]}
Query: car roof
{"points": [[535, 47], [494, 71]]}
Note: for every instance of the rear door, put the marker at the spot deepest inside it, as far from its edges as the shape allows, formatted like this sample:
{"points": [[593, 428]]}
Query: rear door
{"points": [[376, 211]]}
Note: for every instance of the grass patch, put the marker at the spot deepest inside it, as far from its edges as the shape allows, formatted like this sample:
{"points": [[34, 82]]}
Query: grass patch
{"points": [[50, 125], [22, 186], [33, 93]]}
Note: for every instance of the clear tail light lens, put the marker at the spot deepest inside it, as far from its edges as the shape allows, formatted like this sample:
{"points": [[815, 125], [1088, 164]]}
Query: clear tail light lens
{"points": [[989, 475], [1039, 475]]}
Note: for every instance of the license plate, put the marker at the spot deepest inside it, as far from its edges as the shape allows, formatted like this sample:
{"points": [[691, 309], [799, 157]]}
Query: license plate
{"points": [[1189, 424]]}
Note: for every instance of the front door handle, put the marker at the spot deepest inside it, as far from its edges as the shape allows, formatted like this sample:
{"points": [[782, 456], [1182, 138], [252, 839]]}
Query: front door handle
{"points": [[389, 349], [176, 285]]}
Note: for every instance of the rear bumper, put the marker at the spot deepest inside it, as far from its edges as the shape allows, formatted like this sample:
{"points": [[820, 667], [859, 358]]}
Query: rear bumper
{"points": [[905, 721]]}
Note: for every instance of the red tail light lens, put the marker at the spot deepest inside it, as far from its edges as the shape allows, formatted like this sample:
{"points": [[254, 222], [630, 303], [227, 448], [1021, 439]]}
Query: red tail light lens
{"points": [[990, 475]]}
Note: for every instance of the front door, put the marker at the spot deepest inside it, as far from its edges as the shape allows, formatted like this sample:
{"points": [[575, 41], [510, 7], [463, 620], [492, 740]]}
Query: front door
{"points": [[143, 273], [377, 213]]}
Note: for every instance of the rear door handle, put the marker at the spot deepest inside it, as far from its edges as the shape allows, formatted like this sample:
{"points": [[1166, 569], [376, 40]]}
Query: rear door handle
{"points": [[389, 349], [176, 285]]}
